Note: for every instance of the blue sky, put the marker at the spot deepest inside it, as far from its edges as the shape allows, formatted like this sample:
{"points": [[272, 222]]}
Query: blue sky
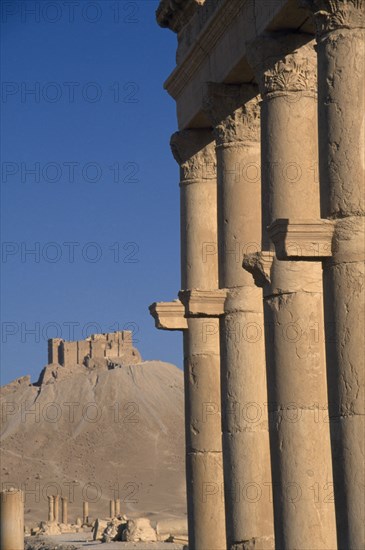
{"points": [[89, 189]]}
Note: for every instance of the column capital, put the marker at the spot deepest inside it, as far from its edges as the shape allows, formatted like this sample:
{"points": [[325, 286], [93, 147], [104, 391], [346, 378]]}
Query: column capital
{"points": [[330, 15], [194, 151], [169, 315], [284, 63], [234, 111]]}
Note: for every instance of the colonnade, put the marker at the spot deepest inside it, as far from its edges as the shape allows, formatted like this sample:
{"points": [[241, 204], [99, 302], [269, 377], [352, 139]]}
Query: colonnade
{"points": [[272, 303]]}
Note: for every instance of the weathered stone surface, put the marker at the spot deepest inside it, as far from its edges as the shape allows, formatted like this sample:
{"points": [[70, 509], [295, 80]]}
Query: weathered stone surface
{"points": [[12, 519], [116, 346], [175, 528], [235, 114], [114, 530], [194, 151], [139, 530], [293, 299], [99, 528], [310, 213]]}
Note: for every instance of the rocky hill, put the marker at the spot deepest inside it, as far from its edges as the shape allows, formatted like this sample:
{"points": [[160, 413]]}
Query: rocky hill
{"points": [[97, 434]]}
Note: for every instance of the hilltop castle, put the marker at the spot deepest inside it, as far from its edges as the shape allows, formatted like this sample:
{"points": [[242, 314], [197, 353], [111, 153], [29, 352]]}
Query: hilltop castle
{"points": [[110, 348]]}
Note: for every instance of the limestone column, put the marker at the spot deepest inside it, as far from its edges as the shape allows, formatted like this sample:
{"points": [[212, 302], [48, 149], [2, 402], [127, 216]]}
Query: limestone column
{"points": [[117, 506], [194, 151], [112, 508], [64, 510], [51, 508], [85, 512], [341, 75], [12, 520], [285, 67], [56, 500], [235, 115]]}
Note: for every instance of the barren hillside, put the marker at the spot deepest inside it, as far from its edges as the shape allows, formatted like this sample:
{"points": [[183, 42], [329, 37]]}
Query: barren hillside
{"points": [[97, 434]]}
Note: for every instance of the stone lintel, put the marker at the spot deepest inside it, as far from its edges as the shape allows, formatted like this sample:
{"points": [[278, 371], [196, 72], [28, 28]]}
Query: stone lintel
{"points": [[169, 315], [259, 265], [203, 303], [305, 239]]}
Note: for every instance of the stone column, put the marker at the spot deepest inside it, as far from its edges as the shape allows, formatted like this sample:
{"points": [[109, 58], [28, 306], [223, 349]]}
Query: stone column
{"points": [[285, 66], [56, 508], [341, 75], [117, 507], [194, 151], [12, 520], [85, 512], [235, 115], [112, 508], [51, 508], [64, 503]]}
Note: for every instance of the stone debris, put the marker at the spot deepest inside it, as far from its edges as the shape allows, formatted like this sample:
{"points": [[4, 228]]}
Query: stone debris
{"points": [[114, 530], [47, 545], [172, 529], [139, 530], [99, 527]]}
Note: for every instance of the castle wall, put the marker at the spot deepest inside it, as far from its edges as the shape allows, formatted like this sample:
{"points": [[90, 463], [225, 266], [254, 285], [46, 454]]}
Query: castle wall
{"points": [[113, 345]]}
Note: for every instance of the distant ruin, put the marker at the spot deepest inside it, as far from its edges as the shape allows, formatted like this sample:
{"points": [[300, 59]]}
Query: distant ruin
{"points": [[115, 347]]}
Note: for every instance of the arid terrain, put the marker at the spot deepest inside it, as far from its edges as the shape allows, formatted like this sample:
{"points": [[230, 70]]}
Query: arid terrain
{"points": [[96, 435]]}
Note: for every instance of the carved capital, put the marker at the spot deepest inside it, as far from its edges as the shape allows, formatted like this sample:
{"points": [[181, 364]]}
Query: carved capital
{"points": [[284, 63], [234, 111], [203, 303], [302, 239], [169, 315], [194, 151], [259, 265], [331, 15]]}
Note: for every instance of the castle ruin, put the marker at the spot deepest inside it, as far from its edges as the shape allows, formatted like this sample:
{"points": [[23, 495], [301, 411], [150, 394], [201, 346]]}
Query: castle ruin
{"points": [[114, 347]]}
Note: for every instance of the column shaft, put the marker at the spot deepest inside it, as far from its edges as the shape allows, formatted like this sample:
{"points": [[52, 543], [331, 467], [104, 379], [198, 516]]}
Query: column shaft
{"points": [[51, 508], [85, 512], [295, 355], [64, 510], [194, 151], [12, 520], [341, 76], [56, 508], [112, 508], [235, 114]]}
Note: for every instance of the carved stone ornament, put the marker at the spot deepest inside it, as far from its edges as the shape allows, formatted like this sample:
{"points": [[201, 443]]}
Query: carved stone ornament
{"points": [[331, 15], [234, 111], [194, 151], [284, 63]]}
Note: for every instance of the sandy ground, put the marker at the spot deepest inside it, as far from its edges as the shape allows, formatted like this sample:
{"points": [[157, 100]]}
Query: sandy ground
{"points": [[80, 540]]}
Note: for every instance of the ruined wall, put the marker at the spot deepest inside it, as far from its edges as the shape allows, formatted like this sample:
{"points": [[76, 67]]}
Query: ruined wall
{"points": [[114, 347]]}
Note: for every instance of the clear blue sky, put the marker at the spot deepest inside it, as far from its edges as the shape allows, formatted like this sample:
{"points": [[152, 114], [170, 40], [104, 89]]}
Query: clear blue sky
{"points": [[88, 181]]}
